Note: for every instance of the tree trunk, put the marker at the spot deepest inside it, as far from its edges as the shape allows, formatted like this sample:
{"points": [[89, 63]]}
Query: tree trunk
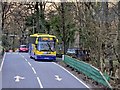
{"points": [[81, 23], [3, 7], [42, 19], [63, 26], [119, 31], [109, 42], [37, 18]]}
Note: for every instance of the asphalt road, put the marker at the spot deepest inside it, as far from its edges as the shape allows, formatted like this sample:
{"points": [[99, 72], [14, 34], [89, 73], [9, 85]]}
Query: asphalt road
{"points": [[19, 71]]}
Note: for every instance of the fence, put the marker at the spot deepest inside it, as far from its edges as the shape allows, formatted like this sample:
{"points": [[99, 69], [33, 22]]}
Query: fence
{"points": [[88, 70]]}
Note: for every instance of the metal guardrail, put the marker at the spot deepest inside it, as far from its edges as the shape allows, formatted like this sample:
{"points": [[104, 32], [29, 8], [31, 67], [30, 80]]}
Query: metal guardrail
{"points": [[88, 70]]}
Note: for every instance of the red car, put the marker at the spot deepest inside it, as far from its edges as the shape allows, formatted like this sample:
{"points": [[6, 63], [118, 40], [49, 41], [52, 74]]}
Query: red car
{"points": [[23, 48]]}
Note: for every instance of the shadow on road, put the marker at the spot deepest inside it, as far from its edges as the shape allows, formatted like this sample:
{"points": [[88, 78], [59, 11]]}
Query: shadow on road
{"points": [[57, 60]]}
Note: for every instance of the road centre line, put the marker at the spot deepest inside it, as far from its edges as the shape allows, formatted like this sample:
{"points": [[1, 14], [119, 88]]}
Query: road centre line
{"points": [[41, 86], [38, 79], [22, 56], [2, 62], [34, 70], [71, 74], [26, 59], [29, 63]]}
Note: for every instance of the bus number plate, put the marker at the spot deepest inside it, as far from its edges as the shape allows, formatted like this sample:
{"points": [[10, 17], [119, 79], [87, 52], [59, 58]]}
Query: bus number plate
{"points": [[46, 52]]}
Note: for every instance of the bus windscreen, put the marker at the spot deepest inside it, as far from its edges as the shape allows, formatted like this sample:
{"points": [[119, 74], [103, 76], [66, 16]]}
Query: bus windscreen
{"points": [[46, 46]]}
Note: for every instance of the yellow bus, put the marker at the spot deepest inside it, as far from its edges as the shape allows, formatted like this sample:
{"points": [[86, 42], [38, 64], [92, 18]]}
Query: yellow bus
{"points": [[42, 46]]}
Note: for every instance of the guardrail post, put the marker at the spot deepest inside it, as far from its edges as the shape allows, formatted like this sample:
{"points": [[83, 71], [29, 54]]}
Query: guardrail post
{"points": [[63, 57]]}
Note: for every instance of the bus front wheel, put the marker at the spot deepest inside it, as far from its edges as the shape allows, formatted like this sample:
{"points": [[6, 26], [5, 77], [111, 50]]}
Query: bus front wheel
{"points": [[35, 57], [31, 57]]}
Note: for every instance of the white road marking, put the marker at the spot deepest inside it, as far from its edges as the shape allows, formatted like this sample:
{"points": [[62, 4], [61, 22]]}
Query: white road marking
{"points": [[38, 79], [17, 78], [29, 63], [9, 53], [2, 62], [70, 74], [41, 86], [14, 53], [34, 70], [25, 59], [22, 56], [58, 78]]}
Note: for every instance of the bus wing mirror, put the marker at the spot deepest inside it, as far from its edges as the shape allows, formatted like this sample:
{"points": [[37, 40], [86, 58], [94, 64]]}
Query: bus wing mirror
{"points": [[36, 42], [57, 40]]}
